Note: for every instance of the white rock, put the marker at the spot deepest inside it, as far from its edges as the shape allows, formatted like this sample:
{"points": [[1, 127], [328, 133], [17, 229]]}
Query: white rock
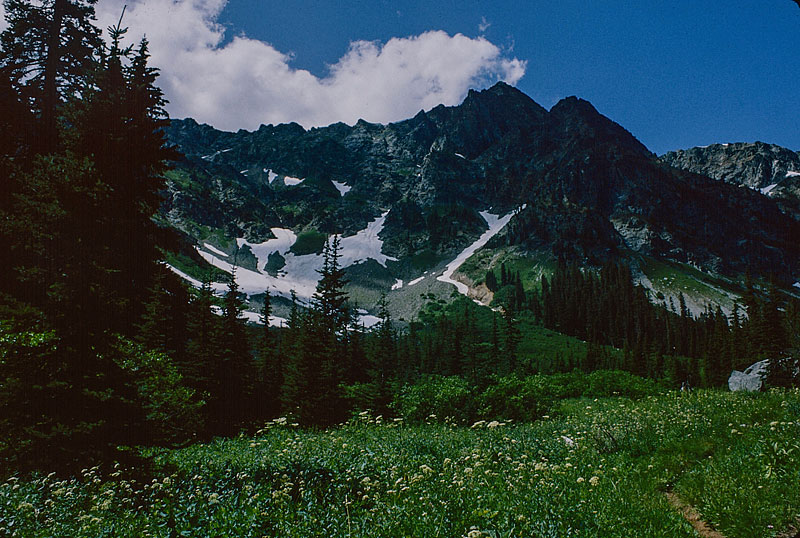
{"points": [[751, 380]]}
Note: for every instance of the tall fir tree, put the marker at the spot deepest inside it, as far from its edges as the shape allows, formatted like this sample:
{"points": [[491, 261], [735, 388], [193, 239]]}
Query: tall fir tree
{"points": [[235, 369], [65, 264], [48, 51], [382, 359], [270, 366]]}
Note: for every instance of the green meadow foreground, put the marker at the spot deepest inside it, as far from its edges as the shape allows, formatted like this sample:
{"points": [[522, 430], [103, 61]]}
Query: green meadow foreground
{"points": [[592, 468]]}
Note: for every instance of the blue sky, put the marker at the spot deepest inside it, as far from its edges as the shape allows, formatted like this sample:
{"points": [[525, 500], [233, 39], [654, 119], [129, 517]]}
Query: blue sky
{"points": [[676, 74]]}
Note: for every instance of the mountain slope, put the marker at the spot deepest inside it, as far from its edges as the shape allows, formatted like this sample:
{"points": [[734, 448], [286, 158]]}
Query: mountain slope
{"points": [[770, 169], [590, 191]]}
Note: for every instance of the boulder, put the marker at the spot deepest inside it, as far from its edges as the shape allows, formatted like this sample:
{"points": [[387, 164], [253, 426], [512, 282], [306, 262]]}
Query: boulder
{"points": [[751, 380]]}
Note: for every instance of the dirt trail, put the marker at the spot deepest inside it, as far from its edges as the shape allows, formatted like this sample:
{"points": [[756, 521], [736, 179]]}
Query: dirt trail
{"points": [[691, 515]]}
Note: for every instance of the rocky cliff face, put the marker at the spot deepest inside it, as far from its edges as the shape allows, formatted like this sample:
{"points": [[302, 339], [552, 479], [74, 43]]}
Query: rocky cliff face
{"points": [[591, 191], [756, 165], [770, 169]]}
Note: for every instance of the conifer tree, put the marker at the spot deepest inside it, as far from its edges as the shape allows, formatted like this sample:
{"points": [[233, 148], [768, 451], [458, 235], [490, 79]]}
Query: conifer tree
{"points": [[235, 372], [202, 328], [511, 340], [494, 350], [270, 366], [383, 359], [316, 367], [48, 50], [323, 347], [295, 375], [491, 280], [153, 330], [118, 125]]}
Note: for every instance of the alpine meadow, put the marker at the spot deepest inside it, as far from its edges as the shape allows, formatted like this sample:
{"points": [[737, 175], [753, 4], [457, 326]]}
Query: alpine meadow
{"points": [[490, 319]]}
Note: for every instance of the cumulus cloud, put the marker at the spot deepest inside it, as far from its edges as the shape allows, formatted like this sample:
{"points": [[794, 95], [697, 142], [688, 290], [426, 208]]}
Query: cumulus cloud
{"points": [[243, 82]]}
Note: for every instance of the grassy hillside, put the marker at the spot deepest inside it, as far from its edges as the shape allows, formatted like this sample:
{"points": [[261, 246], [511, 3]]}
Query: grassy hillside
{"points": [[597, 468]]}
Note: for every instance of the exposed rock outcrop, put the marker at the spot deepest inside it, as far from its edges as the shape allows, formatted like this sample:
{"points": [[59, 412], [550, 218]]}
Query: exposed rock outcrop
{"points": [[751, 380]]}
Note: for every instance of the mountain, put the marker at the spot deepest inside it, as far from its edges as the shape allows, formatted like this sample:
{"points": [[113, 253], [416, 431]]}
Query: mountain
{"points": [[770, 169], [496, 179]]}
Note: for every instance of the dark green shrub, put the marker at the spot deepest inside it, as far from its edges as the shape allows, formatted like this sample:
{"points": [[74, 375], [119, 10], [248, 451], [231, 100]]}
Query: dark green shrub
{"points": [[618, 383], [444, 397], [520, 399]]}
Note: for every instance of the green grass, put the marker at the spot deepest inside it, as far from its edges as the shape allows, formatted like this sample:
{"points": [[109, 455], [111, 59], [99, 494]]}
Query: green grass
{"points": [[732, 455], [676, 277], [309, 242], [194, 268], [543, 350], [531, 267]]}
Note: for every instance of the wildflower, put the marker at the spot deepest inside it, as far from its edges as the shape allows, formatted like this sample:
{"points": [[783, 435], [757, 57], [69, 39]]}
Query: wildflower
{"points": [[493, 424], [580, 480], [594, 480], [213, 498]]}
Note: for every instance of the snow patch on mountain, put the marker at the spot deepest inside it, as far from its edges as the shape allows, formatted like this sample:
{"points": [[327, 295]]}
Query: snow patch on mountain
{"points": [[215, 250], [768, 188], [397, 284], [792, 173], [254, 317], [289, 181], [416, 280], [194, 282], [365, 244], [495, 223], [300, 273], [213, 155], [342, 188]]}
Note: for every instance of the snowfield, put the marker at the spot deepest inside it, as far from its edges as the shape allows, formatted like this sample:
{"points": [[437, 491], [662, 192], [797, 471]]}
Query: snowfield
{"points": [[341, 187], [289, 181], [417, 280], [215, 250], [300, 273], [768, 188], [495, 223]]}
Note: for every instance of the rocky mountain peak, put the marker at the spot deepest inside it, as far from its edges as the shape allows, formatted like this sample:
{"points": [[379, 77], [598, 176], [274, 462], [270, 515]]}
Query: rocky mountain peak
{"points": [[591, 189], [578, 118], [753, 164]]}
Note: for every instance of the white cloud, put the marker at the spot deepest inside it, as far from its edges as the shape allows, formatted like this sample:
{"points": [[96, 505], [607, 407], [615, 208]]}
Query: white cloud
{"points": [[245, 82], [484, 25]]}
